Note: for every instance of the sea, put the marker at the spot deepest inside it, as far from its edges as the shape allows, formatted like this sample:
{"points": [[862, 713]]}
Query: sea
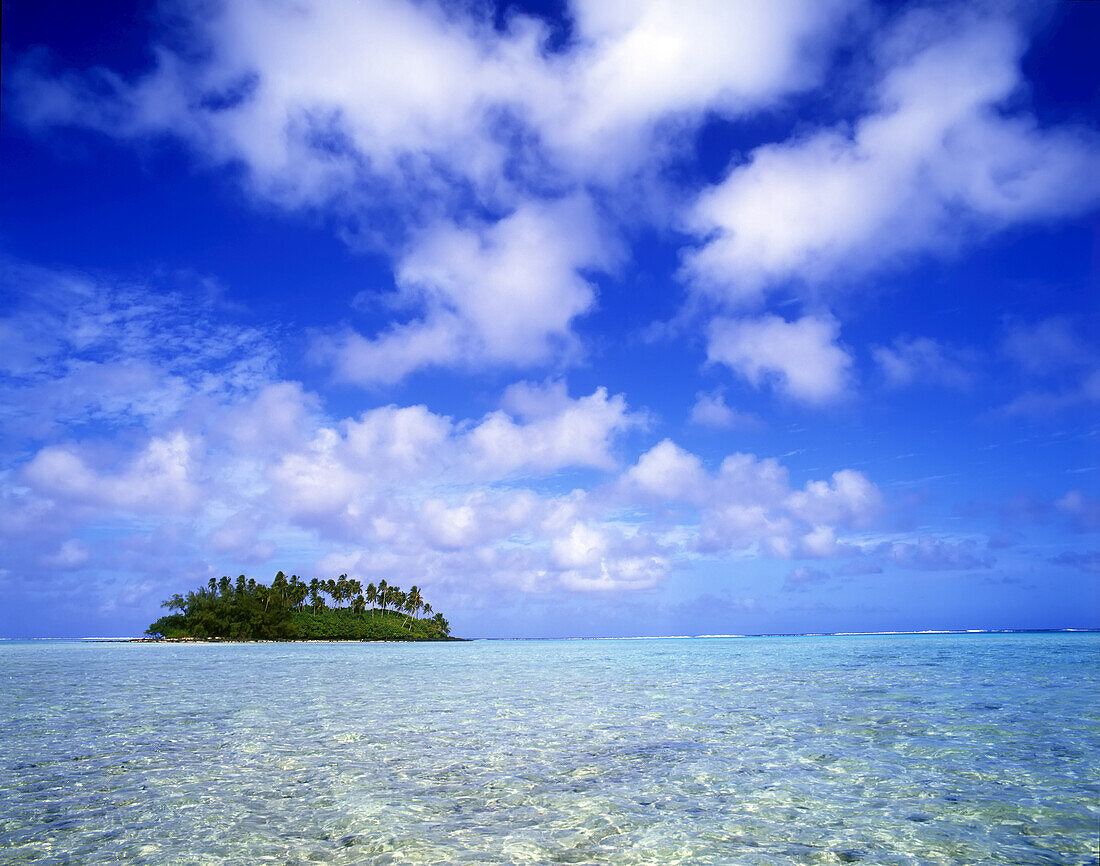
{"points": [[892, 749]]}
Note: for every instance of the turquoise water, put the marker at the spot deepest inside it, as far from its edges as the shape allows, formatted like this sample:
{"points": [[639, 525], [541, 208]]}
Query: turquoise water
{"points": [[895, 749]]}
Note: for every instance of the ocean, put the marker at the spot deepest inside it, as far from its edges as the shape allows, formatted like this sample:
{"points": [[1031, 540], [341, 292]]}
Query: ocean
{"points": [[906, 749]]}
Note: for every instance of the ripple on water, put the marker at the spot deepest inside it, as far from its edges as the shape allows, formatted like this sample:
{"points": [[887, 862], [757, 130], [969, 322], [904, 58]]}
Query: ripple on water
{"points": [[884, 749]]}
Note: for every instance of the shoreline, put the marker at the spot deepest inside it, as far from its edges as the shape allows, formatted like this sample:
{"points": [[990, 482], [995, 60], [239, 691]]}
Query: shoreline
{"points": [[258, 640], [625, 638]]}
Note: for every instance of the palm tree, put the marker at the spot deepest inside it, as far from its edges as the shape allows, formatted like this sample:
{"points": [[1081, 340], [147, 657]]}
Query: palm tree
{"points": [[383, 594], [298, 592], [280, 589], [397, 598], [372, 597], [413, 601]]}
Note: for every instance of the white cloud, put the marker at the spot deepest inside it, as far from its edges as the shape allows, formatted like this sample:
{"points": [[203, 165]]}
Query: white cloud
{"points": [[532, 401], [412, 95], [924, 361], [937, 160], [240, 536], [72, 554], [711, 410], [801, 577], [277, 418], [160, 477], [668, 472], [594, 558], [398, 452], [640, 63], [505, 292], [1083, 389], [475, 158], [457, 148], [1082, 509], [1062, 369], [480, 518], [86, 349], [801, 358], [749, 502], [935, 554], [391, 442], [379, 92], [1047, 346], [580, 434], [432, 497], [404, 493], [849, 500], [820, 543]]}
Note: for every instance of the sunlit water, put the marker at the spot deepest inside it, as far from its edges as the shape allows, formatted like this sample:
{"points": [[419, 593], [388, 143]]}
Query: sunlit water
{"points": [[898, 749]]}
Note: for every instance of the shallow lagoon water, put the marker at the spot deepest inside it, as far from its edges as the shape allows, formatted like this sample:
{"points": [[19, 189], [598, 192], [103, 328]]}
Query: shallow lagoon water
{"points": [[875, 749]]}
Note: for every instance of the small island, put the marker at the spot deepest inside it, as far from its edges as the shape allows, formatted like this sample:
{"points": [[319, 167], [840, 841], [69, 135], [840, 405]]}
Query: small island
{"points": [[291, 609]]}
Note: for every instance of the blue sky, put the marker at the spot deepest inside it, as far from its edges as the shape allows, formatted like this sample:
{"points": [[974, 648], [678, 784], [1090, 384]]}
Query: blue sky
{"points": [[590, 319]]}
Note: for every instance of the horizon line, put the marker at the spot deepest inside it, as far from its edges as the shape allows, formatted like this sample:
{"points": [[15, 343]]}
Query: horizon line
{"points": [[123, 639]]}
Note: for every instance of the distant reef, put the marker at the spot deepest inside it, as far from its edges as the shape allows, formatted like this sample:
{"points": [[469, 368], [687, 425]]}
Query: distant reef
{"points": [[291, 609]]}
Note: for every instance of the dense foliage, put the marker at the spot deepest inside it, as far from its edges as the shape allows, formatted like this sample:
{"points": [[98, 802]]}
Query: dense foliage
{"points": [[291, 609]]}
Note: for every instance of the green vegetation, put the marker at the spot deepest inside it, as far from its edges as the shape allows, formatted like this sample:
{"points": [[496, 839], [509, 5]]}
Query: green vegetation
{"points": [[291, 609]]}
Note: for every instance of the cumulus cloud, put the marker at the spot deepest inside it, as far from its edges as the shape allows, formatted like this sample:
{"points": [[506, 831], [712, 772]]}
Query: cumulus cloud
{"points": [[821, 543], [409, 480], [800, 358], [471, 154], [638, 64], [711, 410], [410, 446], [601, 558], [402, 490], [160, 477], [849, 500], [668, 472], [431, 496], [506, 292], [484, 164], [411, 96], [938, 158], [579, 435], [749, 503], [455, 146]]}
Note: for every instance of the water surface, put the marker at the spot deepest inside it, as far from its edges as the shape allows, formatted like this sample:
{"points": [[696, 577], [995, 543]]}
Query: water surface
{"points": [[877, 749]]}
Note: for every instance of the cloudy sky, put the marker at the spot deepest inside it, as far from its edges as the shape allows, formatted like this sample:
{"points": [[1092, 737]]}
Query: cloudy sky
{"points": [[590, 318]]}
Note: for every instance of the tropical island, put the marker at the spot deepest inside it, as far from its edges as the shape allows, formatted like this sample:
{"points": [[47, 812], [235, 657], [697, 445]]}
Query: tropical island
{"points": [[291, 609]]}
